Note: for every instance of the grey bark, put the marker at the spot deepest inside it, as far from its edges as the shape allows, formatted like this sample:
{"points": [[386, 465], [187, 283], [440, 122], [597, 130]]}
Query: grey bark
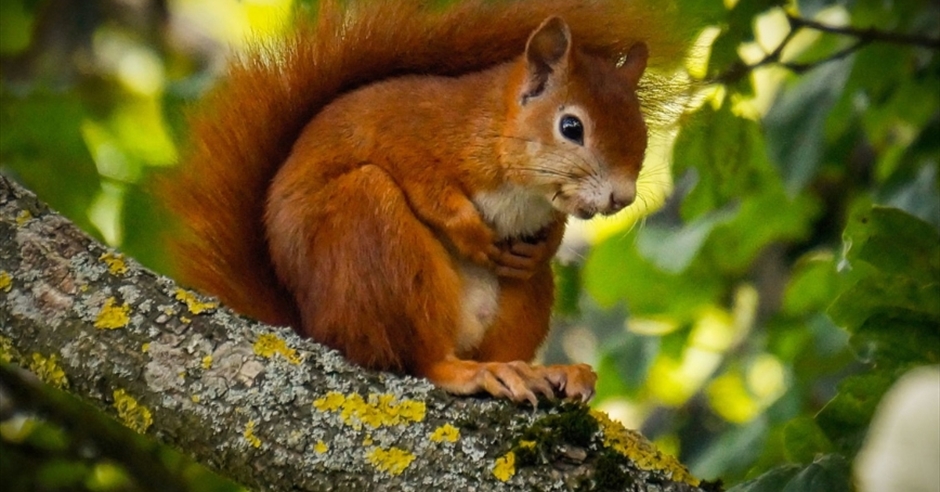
{"points": [[256, 403]]}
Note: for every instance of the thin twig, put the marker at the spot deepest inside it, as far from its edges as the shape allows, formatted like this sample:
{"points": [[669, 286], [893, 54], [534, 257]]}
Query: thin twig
{"points": [[863, 37], [868, 35]]}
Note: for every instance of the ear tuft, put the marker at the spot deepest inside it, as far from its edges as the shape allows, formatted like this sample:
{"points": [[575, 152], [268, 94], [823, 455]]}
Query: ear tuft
{"points": [[546, 50], [635, 63]]}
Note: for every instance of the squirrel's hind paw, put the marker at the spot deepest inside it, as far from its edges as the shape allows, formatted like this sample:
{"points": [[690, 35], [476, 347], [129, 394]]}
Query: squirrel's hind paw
{"points": [[516, 381]]}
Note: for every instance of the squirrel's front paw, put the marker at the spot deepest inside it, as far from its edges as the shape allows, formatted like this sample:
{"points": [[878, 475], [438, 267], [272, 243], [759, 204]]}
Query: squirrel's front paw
{"points": [[474, 240], [519, 258]]}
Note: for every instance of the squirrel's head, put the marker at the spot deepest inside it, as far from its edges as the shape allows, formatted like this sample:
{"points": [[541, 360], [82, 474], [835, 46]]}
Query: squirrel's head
{"points": [[575, 123]]}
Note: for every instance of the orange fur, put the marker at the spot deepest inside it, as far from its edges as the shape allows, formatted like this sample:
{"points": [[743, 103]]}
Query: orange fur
{"points": [[385, 214]]}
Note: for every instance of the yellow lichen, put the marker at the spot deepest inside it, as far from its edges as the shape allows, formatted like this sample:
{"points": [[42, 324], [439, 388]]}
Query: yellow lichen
{"points": [[207, 362], [115, 262], [320, 447], [269, 344], [194, 305], [48, 370], [331, 402], [250, 434], [378, 411], [195, 398], [527, 444], [133, 414], [6, 281], [7, 351], [505, 467], [367, 441], [392, 460], [112, 316], [445, 432], [23, 217], [144, 347], [185, 320], [633, 445]]}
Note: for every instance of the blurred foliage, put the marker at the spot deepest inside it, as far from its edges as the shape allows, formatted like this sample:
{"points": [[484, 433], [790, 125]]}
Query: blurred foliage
{"points": [[750, 326]]}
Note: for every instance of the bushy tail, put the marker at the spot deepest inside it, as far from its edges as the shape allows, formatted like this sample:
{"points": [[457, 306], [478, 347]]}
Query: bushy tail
{"points": [[244, 129]]}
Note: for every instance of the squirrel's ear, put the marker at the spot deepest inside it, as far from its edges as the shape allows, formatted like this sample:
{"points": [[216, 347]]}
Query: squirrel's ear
{"points": [[635, 63], [546, 51]]}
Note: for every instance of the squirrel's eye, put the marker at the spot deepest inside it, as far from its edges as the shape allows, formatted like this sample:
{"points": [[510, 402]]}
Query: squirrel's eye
{"points": [[572, 129]]}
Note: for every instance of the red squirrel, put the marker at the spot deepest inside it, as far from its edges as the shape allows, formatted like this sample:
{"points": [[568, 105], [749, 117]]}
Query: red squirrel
{"points": [[394, 179]]}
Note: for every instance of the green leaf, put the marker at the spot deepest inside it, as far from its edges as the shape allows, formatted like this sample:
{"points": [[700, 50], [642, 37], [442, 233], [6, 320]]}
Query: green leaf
{"points": [[726, 156], [673, 249], [891, 296], [897, 258], [17, 19], [762, 219], [918, 195], [633, 357], [899, 339], [894, 242], [732, 450], [772, 481], [795, 123], [845, 418], [739, 28], [146, 243], [616, 272], [58, 474], [812, 285], [803, 440], [41, 143], [829, 473]]}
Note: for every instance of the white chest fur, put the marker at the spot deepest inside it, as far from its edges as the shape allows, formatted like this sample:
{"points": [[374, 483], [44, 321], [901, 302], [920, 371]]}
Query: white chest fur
{"points": [[512, 212]]}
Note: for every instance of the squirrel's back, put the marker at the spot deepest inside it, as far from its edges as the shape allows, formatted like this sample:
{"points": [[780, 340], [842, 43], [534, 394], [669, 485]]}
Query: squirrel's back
{"points": [[245, 128]]}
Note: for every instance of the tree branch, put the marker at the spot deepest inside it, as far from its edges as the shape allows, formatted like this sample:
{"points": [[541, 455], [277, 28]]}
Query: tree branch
{"points": [[863, 37], [261, 405]]}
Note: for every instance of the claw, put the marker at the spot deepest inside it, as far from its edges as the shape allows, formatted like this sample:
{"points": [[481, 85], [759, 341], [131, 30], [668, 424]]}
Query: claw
{"points": [[516, 381], [573, 381]]}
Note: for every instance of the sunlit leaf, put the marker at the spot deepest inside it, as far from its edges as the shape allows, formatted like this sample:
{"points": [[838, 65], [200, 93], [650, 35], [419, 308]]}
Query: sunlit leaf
{"points": [[812, 285], [738, 28]]}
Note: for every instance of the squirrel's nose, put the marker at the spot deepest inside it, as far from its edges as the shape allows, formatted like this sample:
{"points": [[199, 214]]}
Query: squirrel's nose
{"points": [[619, 201]]}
